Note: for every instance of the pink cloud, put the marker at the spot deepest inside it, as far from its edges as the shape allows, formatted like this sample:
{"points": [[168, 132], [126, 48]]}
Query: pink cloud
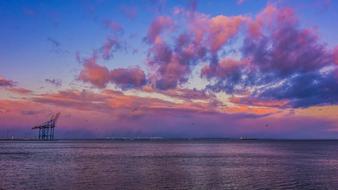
{"points": [[171, 62], [214, 32], [187, 94], [221, 29], [100, 76], [20, 91], [94, 73], [159, 25], [335, 55], [13, 113], [270, 17]]}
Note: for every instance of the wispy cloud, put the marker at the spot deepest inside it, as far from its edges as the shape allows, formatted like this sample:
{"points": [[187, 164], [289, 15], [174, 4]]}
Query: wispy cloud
{"points": [[20, 91], [54, 82], [6, 82]]}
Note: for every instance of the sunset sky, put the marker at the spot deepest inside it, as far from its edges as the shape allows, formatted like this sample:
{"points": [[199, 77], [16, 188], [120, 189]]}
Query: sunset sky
{"points": [[165, 68]]}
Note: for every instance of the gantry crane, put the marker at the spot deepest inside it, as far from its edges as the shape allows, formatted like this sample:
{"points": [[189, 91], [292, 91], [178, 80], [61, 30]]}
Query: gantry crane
{"points": [[46, 129]]}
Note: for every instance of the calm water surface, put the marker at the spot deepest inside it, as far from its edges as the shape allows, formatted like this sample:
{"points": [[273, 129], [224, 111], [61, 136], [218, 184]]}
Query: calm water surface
{"points": [[169, 165]]}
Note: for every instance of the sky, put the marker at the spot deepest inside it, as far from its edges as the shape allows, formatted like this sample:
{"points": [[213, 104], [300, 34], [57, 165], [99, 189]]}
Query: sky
{"points": [[172, 69]]}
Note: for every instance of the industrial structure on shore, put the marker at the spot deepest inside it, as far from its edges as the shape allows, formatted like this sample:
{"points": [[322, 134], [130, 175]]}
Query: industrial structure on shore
{"points": [[46, 129]]}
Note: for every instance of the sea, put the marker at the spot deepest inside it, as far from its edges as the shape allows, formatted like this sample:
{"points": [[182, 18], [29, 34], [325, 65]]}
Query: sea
{"points": [[169, 164]]}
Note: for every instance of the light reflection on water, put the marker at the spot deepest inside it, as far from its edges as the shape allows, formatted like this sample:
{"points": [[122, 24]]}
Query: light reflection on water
{"points": [[169, 165]]}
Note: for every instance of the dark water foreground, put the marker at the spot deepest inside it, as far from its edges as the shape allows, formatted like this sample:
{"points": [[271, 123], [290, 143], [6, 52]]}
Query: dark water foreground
{"points": [[169, 165]]}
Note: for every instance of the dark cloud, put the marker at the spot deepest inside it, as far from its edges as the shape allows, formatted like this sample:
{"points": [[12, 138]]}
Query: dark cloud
{"points": [[54, 82], [304, 90], [56, 47], [54, 42], [228, 72]]}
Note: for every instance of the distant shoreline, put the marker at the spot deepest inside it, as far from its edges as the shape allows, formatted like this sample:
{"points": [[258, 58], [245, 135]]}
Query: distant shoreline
{"points": [[159, 139]]}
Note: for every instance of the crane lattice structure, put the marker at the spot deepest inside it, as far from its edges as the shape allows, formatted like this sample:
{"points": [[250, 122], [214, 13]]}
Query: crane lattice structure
{"points": [[46, 129]]}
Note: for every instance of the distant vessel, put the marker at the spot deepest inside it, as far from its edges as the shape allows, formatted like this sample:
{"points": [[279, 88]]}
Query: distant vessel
{"points": [[247, 138]]}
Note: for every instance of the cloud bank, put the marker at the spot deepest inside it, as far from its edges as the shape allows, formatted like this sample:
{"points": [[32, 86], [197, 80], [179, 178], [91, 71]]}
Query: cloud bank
{"points": [[276, 59]]}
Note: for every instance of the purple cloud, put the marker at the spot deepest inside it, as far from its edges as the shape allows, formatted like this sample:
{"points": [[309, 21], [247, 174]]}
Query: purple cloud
{"points": [[128, 78], [282, 62], [172, 56], [159, 25], [6, 83], [113, 26], [110, 46]]}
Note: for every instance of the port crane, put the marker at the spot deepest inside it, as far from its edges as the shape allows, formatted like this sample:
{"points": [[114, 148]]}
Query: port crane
{"points": [[46, 129]]}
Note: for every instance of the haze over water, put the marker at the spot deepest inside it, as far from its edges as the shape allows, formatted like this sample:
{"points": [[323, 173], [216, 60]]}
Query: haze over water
{"points": [[169, 165]]}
